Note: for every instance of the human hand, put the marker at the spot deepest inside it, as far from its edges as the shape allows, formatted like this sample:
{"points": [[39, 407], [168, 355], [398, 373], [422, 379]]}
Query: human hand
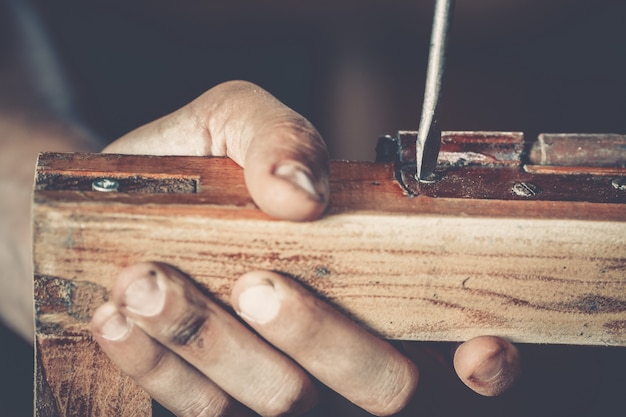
{"points": [[197, 359], [284, 158]]}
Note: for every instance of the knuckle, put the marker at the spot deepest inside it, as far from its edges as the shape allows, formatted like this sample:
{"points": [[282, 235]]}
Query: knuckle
{"points": [[152, 363], [293, 399], [396, 391], [187, 330], [213, 406]]}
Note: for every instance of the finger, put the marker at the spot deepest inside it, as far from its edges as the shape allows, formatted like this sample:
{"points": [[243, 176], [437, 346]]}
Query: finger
{"points": [[284, 158], [442, 393], [165, 376], [168, 307], [364, 369], [488, 365]]}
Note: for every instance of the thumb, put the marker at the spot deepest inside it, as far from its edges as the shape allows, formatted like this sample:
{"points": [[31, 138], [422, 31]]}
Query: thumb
{"points": [[284, 158]]}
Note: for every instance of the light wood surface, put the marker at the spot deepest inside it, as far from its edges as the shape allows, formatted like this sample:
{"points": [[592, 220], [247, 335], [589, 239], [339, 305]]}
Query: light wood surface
{"points": [[418, 268]]}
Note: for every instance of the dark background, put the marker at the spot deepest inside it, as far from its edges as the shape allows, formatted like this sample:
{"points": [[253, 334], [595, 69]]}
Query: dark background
{"points": [[356, 69]]}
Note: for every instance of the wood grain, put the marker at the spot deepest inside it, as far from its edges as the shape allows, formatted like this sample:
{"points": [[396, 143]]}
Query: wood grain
{"points": [[417, 268], [75, 378]]}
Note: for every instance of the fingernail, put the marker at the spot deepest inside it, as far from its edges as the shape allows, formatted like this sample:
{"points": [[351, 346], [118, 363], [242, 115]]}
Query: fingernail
{"points": [[489, 368], [116, 327], [298, 177], [259, 304], [145, 296]]}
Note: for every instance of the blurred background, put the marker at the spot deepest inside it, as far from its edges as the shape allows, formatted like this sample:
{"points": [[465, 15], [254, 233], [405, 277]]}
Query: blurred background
{"points": [[356, 69]]}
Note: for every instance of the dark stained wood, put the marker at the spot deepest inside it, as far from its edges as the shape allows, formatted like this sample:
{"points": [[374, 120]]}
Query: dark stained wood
{"points": [[468, 148]]}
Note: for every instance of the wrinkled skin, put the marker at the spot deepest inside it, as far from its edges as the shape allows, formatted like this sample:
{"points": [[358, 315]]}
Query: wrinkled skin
{"points": [[166, 334]]}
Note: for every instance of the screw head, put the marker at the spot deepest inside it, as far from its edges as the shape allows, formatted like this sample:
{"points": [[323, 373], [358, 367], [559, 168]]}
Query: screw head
{"points": [[105, 185], [619, 183], [525, 189]]}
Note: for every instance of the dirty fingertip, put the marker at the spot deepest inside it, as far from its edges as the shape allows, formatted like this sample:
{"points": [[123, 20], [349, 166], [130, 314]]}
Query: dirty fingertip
{"points": [[256, 298], [488, 365], [109, 323]]}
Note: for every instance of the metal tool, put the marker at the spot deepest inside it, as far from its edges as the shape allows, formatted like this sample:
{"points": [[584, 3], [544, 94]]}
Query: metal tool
{"points": [[429, 133]]}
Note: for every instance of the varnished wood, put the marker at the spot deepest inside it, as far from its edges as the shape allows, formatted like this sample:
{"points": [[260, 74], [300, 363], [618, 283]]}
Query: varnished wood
{"points": [[579, 149], [420, 268]]}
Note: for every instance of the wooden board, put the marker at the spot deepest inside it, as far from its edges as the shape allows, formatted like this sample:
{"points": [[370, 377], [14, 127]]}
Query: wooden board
{"points": [[413, 268]]}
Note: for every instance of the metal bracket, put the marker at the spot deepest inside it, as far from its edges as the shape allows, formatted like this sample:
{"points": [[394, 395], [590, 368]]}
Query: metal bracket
{"points": [[502, 166]]}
